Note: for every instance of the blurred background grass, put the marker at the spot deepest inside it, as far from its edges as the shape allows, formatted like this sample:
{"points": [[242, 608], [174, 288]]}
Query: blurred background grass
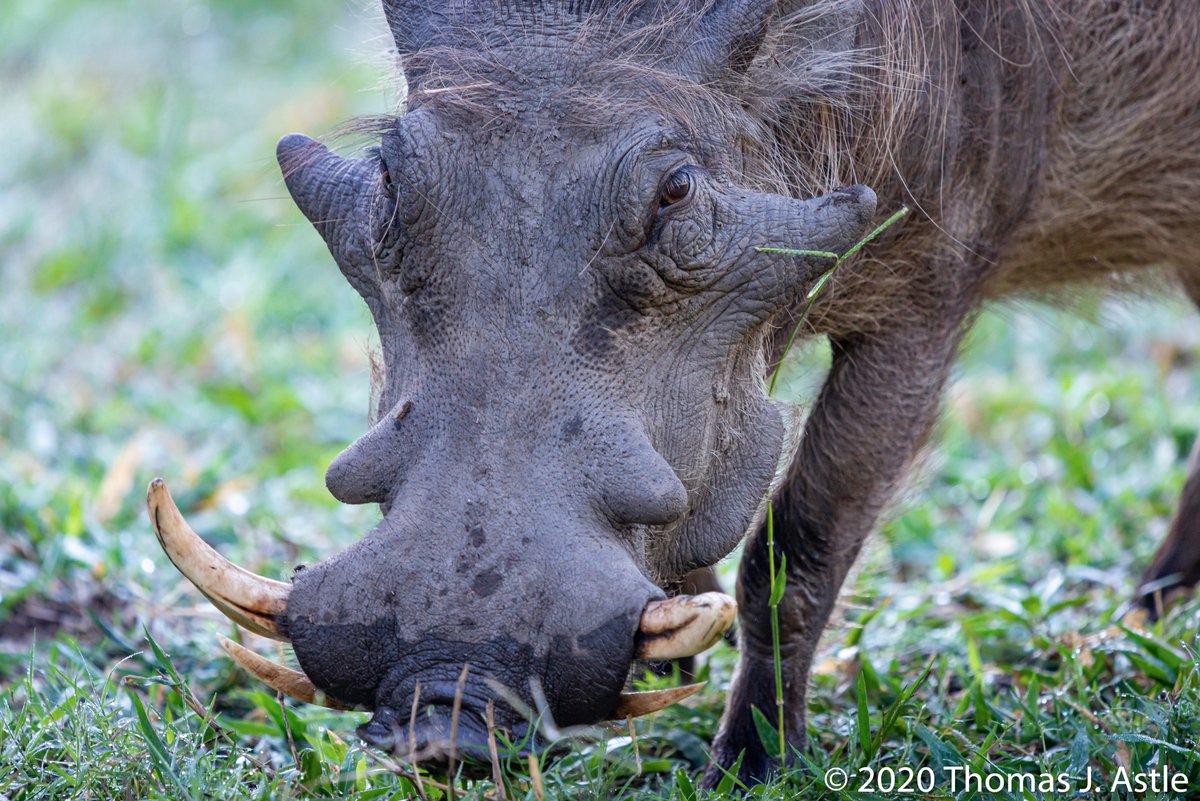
{"points": [[165, 308], [166, 311]]}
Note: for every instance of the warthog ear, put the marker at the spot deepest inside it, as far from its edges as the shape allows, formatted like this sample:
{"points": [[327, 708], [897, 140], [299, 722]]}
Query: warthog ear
{"points": [[414, 25], [336, 196], [727, 39], [823, 228], [413, 22]]}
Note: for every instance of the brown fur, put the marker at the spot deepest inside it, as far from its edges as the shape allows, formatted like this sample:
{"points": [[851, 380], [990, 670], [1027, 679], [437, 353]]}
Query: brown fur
{"points": [[1046, 146], [1105, 137]]}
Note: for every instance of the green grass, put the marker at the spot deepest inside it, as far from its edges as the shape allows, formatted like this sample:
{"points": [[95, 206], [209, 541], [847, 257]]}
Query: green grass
{"points": [[166, 311]]}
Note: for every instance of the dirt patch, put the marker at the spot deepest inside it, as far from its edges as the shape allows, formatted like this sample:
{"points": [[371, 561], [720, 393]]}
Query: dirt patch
{"points": [[42, 619]]}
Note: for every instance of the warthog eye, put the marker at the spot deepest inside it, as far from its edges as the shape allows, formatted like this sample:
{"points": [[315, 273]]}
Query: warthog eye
{"points": [[676, 188]]}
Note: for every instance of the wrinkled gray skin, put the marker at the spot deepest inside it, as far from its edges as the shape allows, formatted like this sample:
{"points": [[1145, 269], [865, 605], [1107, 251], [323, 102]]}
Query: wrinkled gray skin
{"points": [[573, 378], [574, 347]]}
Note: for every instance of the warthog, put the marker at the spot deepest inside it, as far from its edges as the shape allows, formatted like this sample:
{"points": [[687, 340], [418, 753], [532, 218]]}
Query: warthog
{"points": [[558, 241]]}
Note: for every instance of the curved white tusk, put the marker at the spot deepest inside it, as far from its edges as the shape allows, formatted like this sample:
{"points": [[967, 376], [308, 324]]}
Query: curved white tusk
{"points": [[684, 625], [634, 705], [291, 683], [253, 602]]}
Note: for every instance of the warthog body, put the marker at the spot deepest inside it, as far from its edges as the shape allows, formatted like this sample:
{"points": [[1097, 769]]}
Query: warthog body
{"points": [[556, 239]]}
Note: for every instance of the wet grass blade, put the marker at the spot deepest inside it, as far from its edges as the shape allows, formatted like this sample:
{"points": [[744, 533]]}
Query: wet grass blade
{"points": [[155, 746], [864, 719]]}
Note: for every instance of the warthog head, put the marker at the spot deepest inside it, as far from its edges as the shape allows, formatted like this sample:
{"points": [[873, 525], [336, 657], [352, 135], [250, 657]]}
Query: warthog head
{"points": [[556, 240]]}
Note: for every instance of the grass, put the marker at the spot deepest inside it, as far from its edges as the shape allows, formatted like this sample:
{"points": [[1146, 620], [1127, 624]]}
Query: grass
{"points": [[167, 311]]}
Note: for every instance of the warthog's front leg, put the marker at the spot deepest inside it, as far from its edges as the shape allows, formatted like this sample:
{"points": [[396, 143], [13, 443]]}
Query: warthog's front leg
{"points": [[876, 408]]}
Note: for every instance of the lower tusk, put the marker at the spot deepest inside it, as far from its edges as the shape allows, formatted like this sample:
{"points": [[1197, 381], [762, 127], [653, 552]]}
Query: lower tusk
{"points": [[634, 705], [684, 625], [253, 602], [291, 683]]}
